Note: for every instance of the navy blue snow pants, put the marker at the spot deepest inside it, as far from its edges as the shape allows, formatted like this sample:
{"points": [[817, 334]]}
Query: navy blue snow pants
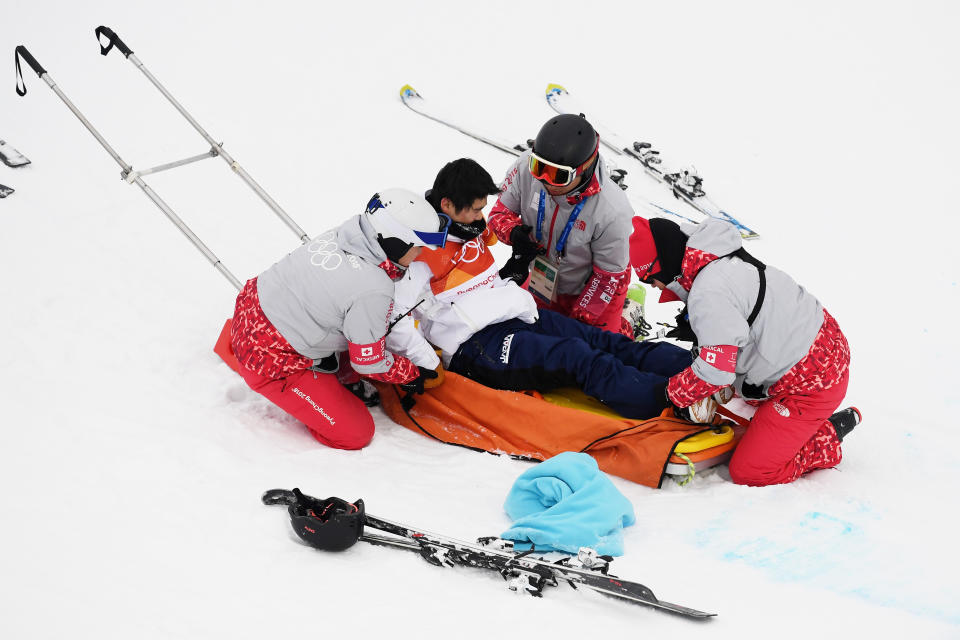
{"points": [[629, 377]]}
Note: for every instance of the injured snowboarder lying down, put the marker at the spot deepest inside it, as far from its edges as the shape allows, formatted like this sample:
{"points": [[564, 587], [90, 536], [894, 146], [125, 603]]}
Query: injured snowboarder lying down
{"points": [[489, 329]]}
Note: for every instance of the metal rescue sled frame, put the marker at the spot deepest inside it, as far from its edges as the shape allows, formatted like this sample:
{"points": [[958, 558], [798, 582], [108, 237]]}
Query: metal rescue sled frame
{"points": [[136, 177]]}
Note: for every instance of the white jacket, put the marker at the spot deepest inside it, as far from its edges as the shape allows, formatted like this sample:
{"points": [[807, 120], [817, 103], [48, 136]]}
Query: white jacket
{"points": [[446, 320]]}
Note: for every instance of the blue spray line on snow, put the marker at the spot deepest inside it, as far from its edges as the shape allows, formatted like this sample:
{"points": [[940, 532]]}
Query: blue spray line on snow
{"points": [[833, 553]]}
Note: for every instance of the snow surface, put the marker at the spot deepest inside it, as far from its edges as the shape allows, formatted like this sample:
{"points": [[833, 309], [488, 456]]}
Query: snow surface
{"points": [[133, 459]]}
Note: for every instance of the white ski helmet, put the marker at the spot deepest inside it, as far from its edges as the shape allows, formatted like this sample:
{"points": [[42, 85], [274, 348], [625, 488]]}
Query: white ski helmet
{"points": [[403, 219]]}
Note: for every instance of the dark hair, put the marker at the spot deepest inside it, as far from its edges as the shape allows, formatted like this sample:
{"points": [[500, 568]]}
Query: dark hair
{"points": [[462, 181]]}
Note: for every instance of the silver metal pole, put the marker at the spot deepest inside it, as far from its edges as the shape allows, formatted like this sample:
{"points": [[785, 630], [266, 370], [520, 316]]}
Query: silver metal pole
{"points": [[127, 169], [223, 153], [214, 260], [96, 134], [172, 165]]}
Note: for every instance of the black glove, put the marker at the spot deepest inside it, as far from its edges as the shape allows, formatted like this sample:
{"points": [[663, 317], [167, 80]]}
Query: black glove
{"points": [[517, 268], [416, 385], [523, 244], [683, 330]]}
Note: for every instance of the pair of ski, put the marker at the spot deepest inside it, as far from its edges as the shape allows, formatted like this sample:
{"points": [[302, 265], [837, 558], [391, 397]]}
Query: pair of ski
{"points": [[684, 184], [12, 158], [524, 571]]}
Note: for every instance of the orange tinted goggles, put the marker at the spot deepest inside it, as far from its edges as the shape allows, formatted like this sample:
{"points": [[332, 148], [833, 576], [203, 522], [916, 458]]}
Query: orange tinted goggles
{"points": [[557, 175]]}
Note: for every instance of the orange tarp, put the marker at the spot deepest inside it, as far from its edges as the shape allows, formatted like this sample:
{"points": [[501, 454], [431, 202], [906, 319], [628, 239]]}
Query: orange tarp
{"points": [[466, 413]]}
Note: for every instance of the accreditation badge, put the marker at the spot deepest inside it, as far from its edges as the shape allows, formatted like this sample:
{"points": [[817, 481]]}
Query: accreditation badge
{"points": [[543, 279]]}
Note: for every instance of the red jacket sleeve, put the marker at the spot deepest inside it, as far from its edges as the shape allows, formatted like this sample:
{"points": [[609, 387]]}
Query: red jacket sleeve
{"points": [[403, 370], [603, 288], [502, 220], [686, 387]]}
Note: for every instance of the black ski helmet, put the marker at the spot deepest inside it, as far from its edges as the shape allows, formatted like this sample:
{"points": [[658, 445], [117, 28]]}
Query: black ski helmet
{"points": [[566, 139], [332, 524]]}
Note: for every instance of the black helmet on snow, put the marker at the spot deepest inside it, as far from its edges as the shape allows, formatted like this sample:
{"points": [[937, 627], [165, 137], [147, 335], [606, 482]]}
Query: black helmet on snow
{"points": [[332, 524]]}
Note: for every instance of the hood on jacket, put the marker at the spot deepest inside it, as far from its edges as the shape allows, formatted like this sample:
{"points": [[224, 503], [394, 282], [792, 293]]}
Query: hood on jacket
{"points": [[357, 237], [708, 241], [657, 249]]}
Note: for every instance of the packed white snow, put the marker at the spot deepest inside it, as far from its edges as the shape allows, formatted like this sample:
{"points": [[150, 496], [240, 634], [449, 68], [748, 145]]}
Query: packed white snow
{"points": [[133, 459]]}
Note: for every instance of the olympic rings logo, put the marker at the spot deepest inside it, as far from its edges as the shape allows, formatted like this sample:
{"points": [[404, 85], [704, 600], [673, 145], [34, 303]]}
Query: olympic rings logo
{"points": [[324, 252], [471, 251]]}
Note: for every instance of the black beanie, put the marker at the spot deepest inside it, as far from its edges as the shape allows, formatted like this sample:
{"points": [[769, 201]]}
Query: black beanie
{"points": [[671, 244]]}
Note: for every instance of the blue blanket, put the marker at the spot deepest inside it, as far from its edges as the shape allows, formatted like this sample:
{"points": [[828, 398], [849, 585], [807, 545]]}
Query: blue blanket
{"points": [[565, 503]]}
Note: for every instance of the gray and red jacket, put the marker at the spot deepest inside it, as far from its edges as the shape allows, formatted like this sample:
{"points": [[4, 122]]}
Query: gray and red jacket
{"points": [[793, 345], [597, 254], [331, 295]]}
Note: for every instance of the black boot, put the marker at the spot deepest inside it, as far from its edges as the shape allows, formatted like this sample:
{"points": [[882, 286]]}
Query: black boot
{"points": [[365, 391], [844, 421]]}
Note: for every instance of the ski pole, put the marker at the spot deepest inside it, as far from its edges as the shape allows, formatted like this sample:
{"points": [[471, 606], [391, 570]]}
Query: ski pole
{"points": [[216, 148], [128, 174]]}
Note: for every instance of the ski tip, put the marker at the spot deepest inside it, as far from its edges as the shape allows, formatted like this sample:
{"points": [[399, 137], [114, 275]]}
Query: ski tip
{"points": [[14, 162], [555, 89], [745, 232], [406, 91]]}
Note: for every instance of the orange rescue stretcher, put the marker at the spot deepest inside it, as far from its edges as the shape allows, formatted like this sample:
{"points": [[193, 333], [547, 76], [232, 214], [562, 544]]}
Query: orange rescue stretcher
{"points": [[535, 426]]}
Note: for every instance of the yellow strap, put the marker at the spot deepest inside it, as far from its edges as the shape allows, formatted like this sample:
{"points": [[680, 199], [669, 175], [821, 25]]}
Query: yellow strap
{"points": [[691, 470]]}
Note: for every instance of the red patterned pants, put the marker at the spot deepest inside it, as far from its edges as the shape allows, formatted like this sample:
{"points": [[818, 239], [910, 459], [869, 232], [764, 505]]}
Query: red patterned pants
{"points": [[272, 368], [788, 437]]}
